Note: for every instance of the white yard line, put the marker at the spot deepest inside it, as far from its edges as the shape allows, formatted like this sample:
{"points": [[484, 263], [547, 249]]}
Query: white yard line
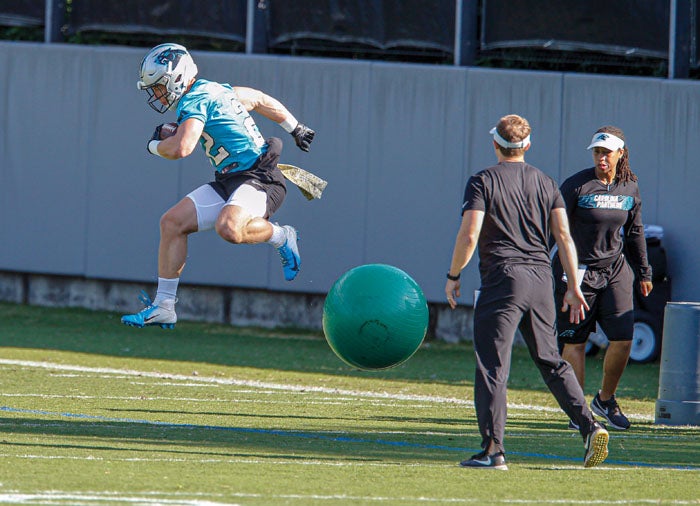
{"points": [[234, 460], [52, 497], [327, 401]]}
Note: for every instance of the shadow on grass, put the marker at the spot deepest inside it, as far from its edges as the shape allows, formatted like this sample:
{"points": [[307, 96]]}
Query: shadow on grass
{"points": [[125, 438], [428, 421], [130, 436]]}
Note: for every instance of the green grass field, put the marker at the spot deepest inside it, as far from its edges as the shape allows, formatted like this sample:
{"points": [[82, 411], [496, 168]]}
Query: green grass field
{"points": [[93, 412]]}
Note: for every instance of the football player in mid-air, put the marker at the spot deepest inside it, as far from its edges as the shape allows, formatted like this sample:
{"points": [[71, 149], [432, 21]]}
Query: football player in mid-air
{"points": [[248, 186]]}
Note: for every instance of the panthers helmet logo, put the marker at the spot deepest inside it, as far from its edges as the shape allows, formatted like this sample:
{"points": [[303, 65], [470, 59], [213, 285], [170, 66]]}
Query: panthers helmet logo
{"points": [[170, 55]]}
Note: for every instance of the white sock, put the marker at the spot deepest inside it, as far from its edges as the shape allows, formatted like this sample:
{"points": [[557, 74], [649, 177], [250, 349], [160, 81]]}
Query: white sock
{"points": [[279, 236], [167, 290]]}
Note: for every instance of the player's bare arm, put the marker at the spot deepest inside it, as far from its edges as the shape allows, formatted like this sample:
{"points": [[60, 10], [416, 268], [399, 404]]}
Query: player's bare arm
{"points": [[272, 109], [183, 142], [256, 100]]}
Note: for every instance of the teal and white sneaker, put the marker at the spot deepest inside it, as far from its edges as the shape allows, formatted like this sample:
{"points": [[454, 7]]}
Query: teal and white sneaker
{"points": [[289, 253], [153, 314]]}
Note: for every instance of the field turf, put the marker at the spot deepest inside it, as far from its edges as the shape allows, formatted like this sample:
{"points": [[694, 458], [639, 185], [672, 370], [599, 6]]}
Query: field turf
{"points": [[95, 413]]}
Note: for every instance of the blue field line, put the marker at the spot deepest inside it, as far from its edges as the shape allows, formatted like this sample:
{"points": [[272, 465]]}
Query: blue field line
{"points": [[321, 437]]}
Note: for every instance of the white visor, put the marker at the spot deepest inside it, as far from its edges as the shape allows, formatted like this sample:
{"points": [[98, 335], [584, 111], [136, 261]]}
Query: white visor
{"points": [[607, 141], [506, 144]]}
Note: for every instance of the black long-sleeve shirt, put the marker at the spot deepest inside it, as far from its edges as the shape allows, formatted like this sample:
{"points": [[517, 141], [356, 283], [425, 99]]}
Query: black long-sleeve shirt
{"points": [[597, 213]]}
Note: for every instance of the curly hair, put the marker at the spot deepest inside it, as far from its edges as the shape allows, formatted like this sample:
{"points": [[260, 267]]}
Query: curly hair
{"points": [[623, 170]]}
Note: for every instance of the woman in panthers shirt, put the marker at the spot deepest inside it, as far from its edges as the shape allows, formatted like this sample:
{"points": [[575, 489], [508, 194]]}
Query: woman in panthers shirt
{"points": [[605, 213]]}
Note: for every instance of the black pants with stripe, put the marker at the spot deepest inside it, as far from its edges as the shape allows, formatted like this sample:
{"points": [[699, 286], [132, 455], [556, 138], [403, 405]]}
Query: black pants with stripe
{"points": [[519, 297]]}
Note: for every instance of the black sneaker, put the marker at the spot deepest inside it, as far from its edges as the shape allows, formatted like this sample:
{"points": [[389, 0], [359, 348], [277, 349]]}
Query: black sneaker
{"points": [[596, 446], [572, 425], [483, 461], [611, 411]]}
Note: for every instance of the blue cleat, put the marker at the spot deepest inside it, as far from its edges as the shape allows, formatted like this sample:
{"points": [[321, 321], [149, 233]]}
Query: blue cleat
{"points": [[289, 253], [152, 314]]}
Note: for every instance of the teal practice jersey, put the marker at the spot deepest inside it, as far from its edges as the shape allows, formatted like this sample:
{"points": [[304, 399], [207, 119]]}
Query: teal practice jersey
{"points": [[231, 138]]}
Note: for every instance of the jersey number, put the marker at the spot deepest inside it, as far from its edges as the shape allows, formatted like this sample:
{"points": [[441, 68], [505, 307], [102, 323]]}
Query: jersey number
{"points": [[217, 156], [251, 127], [248, 124]]}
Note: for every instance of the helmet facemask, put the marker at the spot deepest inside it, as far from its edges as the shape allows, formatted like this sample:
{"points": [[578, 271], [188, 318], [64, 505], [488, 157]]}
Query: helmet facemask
{"points": [[155, 100]]}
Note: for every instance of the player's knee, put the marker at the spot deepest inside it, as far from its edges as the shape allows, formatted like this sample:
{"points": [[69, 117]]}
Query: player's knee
{"points": [[171, 224], [229, 232]]}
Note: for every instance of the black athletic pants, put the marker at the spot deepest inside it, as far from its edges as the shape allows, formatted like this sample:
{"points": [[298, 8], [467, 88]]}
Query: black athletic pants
{"points": [[519, 297]]}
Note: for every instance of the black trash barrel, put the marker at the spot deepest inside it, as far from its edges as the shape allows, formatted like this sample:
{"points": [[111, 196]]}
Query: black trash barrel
{"points": [[678, 402]]}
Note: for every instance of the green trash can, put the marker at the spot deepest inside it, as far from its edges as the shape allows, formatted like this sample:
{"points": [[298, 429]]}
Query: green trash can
{"points": [[678, 402]]}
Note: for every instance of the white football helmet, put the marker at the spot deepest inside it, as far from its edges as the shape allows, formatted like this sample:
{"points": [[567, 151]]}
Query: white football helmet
{"points": [[173, 67]]}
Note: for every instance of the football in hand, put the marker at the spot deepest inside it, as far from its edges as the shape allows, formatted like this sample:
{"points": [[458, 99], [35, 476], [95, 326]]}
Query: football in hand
{"points": [[167, 130]]}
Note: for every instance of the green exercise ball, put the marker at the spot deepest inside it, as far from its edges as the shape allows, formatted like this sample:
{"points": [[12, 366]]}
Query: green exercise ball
{"points": [[375, 317]]}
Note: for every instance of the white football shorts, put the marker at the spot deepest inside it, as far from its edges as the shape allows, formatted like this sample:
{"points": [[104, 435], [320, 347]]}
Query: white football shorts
{"points": [[209, 204]]}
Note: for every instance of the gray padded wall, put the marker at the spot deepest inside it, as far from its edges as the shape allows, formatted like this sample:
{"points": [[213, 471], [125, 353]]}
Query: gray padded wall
{"points": [[678, 176], [80, 196], [415, 161], [46, 117]]}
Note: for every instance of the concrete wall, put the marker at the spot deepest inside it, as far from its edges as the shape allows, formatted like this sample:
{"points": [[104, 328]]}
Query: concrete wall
{"points": [[81, 198]]}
